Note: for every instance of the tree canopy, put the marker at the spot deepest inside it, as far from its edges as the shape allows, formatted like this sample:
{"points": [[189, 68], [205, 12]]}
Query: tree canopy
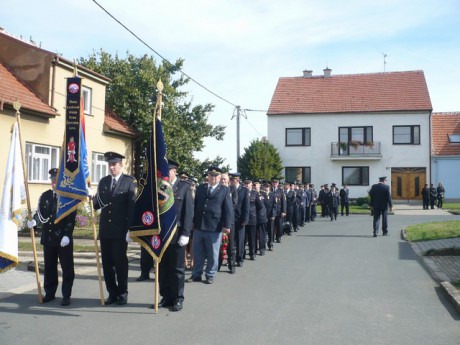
{"points": [[260, 160], [132, 96]]}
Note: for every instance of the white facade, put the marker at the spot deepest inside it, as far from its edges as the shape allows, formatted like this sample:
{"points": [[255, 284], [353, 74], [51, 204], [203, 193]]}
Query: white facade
{"points": [[327, 168]]}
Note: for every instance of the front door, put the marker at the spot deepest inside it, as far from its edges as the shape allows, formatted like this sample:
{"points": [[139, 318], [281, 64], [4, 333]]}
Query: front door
{"points": [[407, 183]]}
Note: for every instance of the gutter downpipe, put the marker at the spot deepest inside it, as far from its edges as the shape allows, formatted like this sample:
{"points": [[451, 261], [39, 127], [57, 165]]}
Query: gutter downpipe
{"points": [[53, 80], [431, 140]]}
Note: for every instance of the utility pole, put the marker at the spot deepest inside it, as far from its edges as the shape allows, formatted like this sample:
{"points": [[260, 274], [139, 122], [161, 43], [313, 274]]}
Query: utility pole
{"points": [[237, 112]]}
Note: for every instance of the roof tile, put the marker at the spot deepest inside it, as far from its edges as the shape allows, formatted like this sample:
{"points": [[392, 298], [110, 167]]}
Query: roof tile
{"points": [[444, 124]]}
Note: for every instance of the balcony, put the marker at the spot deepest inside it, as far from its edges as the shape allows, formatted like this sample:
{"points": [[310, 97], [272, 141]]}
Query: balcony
{"points": [[355, 150]]}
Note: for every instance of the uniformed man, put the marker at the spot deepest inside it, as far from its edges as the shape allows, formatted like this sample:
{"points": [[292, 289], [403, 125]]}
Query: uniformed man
{"points": [[251, 226], [213, 216], [280, 205], [270, 207], [57, 243], [344, 200], [426, 197], [290, 202], [172, 269], [380, 201], [116, 195], [433, 195], [314, 200], [231, 250], [261, 230], [241, 217]]}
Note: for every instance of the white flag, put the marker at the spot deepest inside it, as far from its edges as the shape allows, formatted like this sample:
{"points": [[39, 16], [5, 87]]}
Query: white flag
{"points": [[10, 211]]}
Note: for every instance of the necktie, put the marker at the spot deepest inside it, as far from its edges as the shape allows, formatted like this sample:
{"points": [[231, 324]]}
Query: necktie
{"points": [[114, 183], [209, 191]]}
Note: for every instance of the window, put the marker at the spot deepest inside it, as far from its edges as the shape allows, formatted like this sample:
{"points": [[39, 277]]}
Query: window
{"points": [[301, 174], [298, 137], [454, 138], [86, 93], [406, 135], [355, 176], [40, 159], [361, 134], [99, 167]]}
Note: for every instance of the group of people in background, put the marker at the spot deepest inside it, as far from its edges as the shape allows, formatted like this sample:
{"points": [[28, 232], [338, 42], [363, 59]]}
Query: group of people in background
{"points": [[433, 196]]}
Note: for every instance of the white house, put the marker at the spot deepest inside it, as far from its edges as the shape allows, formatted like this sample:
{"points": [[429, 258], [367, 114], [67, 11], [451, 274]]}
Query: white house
{"points": [[446, 152], [353, 129]]}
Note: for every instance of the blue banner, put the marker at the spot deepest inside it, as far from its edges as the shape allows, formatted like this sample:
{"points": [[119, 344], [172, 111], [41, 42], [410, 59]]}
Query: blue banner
{"points": [[73, 176], [154, 218]]}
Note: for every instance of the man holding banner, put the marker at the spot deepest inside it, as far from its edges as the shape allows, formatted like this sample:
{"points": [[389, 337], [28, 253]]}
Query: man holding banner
{"points": [[57, 243], [116, 195]]}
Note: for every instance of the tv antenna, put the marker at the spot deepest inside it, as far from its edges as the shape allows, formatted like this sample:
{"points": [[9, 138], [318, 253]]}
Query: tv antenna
{"points": [[384, 60]]}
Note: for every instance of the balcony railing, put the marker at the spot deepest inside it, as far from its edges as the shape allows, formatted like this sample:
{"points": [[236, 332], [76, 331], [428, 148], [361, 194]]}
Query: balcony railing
{"points": [[356, 149]]}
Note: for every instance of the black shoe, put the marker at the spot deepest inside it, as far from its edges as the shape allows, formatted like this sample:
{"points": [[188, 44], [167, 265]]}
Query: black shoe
{"points": [[65, 301], [232, 270], [270, 248], [48, 298], [165, 303], [252, 257], [122, 299], [143, 277], [177, 306], [375, 235], [278, 240], [385, 233], [110, 300], [262, 253], [209, 280], [239, 263], [193, 279]]}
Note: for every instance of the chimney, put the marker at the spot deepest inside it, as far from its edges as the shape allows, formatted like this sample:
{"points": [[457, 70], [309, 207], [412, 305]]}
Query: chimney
{"points": [[307, 73], [327, 72]]}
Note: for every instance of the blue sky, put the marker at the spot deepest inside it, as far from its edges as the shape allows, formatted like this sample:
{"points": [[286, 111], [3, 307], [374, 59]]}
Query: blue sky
{"points": [[239, 48]]}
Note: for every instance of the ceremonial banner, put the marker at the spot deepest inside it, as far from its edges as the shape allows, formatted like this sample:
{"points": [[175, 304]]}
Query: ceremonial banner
{"points": [[154, 218], [73, 177], [14, 195]]}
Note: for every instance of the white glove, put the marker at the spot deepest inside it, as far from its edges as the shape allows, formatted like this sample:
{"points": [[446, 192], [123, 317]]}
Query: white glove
{"points": [[128, 239], [31, 223], [65, 241], [183, 240], [90, 192]]}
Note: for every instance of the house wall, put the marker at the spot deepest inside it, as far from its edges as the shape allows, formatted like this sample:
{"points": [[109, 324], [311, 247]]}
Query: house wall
{"points": [[446, 170], [40, 130], [325, 130]]}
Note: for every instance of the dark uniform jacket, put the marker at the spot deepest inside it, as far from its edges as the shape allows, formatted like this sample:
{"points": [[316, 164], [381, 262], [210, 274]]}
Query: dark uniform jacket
{"points": [[314, 197], [117, 207], [291, 199], [183, 202], [52, 234], [344, 199], [380, 196], [234, 196], [252, 208], [260, 208], [332, 199], [242, 207], [215, 212], [280, 201], [270, 205]]}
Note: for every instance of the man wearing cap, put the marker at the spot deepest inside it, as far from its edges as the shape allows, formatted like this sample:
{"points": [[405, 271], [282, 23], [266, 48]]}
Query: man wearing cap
{"points": [[270, 207], [172, 265], [280, 205], [344, 200], [116, 194], [231, 250], [380, 200], [57, 243], [290, 202], [212, 216], [241, 217]]}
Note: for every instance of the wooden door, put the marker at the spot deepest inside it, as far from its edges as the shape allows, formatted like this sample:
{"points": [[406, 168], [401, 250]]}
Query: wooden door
{"points": [[407, 183]]}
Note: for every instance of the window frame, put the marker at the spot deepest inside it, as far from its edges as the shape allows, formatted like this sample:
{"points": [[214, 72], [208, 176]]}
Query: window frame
{"points": [[98, 160], [31, 155], [412, 134], [454, 138], [362, 181], [304, 141], [87, 100], [304, 173], [365, 133]]}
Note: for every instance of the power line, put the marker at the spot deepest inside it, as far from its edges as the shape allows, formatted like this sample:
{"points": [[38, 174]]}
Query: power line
{"points": [[163, 58]]}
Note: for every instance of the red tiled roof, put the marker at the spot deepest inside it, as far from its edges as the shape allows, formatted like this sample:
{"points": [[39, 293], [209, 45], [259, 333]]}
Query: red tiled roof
{"points": [[11, 89], [377, 92], [444, 124], [114, 123]]}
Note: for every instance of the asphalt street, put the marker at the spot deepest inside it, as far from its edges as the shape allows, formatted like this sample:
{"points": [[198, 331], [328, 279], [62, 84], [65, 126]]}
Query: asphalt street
{"points": [[330, 283]]}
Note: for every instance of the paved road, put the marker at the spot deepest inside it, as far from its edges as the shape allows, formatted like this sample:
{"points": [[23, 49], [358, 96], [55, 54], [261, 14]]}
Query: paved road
{"points": [[331, 283]]}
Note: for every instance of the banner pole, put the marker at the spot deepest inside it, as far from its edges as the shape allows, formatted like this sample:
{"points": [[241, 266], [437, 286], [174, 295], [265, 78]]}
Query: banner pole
{"points": [[17, 106], [157, 278], [96, 250]]}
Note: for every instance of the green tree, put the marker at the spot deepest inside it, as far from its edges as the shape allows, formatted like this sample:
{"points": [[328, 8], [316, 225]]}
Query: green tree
{"points": [[132, 95], [260, 160]]}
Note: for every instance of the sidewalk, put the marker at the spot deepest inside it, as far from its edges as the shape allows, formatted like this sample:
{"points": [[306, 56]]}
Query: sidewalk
{"points": [[443, 269], [417, 210]]}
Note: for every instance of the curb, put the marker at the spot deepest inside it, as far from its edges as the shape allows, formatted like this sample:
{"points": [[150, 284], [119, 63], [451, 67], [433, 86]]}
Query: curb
{"points": [[438, 275]]}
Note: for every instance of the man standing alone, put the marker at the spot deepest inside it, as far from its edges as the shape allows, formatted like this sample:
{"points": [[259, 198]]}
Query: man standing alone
{"points": [[380, 200]]}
